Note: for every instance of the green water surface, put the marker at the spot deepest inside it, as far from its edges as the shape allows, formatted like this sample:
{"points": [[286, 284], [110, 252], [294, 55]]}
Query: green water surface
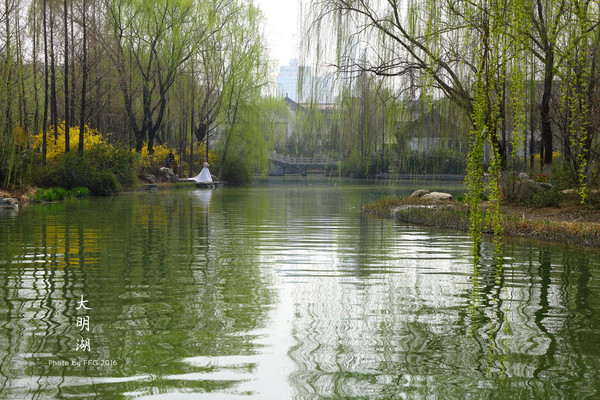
{"points": [[283, 290]]}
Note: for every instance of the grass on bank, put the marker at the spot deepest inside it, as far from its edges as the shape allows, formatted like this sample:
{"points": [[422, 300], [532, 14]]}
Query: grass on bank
{"points": [[58, 193], [574, 226]]}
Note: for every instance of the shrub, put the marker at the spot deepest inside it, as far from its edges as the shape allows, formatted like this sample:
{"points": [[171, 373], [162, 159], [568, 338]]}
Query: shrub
{"points": [[367, 166], [16, 164], [236, 171], [449, 162], [151, 163], [103, 169], [52, 194], [563, 174], [58, 193], [544, 198], [71, 171], [117, 160], [80, 191], [350, 166], [439, 162]]}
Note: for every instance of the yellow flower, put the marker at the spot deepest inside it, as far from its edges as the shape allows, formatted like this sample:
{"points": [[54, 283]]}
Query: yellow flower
{"points": [[156, 159], [55, 144]]}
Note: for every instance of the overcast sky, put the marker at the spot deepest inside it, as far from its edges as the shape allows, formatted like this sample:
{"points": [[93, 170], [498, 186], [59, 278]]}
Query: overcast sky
{"points": [[281, 28]]}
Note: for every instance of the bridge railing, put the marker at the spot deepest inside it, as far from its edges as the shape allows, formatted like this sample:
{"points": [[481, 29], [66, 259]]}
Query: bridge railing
{"points": [[286, 159]]}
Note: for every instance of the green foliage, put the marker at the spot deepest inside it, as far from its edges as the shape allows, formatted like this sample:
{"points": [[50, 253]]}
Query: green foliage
{"points": [[242, 145], [545, 198], [16, 163], [236, 171], [593, 202], [563, 174], [367, 166], [450, 163], [354, 166], [440, 162], [51, 194], [103, 169], [58, 193], [79, 192], [118, 160]]}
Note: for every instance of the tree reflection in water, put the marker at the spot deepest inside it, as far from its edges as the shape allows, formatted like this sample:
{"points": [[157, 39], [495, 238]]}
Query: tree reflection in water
{"points": [[281, 292]]}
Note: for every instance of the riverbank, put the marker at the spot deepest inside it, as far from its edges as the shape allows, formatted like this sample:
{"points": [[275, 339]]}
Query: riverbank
{"points": [[22, 195], [570, 223]]}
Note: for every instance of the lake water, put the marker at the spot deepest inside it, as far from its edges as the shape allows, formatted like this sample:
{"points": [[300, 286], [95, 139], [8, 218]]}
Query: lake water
{"points": [[283, 290]]}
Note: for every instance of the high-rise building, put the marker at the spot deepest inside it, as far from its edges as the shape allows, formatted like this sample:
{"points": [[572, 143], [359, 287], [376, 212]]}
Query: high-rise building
{"points": [[298, 83]]}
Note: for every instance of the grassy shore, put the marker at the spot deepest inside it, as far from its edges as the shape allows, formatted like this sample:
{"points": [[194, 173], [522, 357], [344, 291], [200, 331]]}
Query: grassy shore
{"points": [[570, 223]]}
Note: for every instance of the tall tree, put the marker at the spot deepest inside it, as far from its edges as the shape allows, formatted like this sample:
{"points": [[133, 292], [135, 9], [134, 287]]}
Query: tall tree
{"points": [[152, 40], [458, 49], [66, 69], [547, 21], [243, 77], [84, 75], [53, 99], [46, 81]]}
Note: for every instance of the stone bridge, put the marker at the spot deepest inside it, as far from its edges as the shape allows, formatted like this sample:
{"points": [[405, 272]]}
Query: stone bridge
{"points": [[280, 164]]}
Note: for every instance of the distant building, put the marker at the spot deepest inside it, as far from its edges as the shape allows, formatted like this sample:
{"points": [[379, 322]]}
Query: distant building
{"points": [[298, 83]]}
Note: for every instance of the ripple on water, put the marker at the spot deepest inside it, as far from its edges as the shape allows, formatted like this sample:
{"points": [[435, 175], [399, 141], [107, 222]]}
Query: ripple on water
{"points": [[286, 294]]}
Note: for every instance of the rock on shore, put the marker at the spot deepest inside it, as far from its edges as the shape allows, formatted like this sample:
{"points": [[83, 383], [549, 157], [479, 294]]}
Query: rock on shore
{"points": [[425, 194], [8, 202]]}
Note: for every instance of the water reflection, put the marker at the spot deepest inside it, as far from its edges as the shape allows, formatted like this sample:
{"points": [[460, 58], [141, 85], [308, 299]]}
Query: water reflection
{"points": [[387, 339], [157, 297], [284, 292]]}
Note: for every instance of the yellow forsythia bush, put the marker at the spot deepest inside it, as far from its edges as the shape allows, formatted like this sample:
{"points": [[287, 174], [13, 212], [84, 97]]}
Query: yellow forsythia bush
{"points": [[56, 147], [200, 153], [150, 162]]}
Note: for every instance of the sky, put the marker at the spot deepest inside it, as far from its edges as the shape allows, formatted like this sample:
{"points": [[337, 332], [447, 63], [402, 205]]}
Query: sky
{"points": [[281, 28]]}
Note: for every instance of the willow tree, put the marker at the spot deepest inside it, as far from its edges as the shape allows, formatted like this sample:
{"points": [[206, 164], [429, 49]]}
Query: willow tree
{"points": [[209, 67], [152, 39], [273, 111], [461, 50], [358, 118], [242, 78]]}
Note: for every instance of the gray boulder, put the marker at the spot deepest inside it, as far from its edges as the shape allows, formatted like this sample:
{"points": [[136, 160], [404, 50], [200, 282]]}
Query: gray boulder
{"points": [[8, 202], [419, 193], [437, 196], [149, 178], [520, 187]]}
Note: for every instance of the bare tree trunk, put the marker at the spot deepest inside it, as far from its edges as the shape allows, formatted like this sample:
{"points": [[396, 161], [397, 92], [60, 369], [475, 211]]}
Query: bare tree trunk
{"points": [[36, 112], [53, 103], [8, 73], [45, 117], [66, 68], [191, 132], [546, 125], [72, 67], [84, 69]]}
